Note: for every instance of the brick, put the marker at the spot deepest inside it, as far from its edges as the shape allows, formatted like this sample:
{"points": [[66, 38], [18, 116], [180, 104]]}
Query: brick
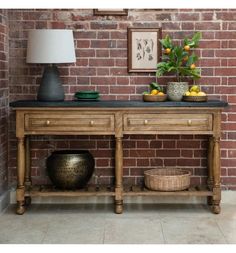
{"points": [[188, 162], [143, 162], [225, 35], [119, 35], [225, 71], [188, 26], [103, 80], [209, 44], [101, 62], [122, 89], [103, 25], [103, 35], [130, 162], [85, 35], [187, 16], [103, 71], [171, 26], [142, 153], [169, 153], [207, 26], [120, 53], [85, 52], [103, 44], [83, 43], [118, 71], [102, 53]]}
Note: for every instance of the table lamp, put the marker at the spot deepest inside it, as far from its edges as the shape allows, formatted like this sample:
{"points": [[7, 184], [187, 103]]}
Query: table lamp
{"points": [[50, 46]]}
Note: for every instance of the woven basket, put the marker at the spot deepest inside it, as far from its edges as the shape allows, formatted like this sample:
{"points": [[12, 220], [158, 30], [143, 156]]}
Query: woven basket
{"points": [[195, 98], [169, 179]]}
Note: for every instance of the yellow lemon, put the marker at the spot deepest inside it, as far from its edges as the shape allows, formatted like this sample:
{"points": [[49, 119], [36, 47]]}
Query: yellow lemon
{"points": [[192, 66], [154, 92], [160, 93], [187, 48], [201, 93], [195, 88], [193, 93], [167, 50], [187, 93]]}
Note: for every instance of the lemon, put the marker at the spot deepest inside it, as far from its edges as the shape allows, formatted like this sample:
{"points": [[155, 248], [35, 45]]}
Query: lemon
{"points": [[201, 93], [195, 88], [160, 93], [187, 48], [193, 93], [154, 92], [167, 50], [187, 93]]}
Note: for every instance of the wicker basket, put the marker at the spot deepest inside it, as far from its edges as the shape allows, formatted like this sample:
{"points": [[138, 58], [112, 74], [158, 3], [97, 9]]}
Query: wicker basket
{"points": [[169, 179], [195, 98], [154, 98]]}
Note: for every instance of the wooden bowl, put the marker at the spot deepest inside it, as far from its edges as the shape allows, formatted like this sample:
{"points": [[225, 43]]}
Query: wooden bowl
{"points": [[154, 98], [195, 98]]}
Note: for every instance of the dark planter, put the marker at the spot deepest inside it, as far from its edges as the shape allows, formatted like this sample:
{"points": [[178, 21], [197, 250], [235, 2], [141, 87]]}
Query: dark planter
{"points": [[70, 169]]}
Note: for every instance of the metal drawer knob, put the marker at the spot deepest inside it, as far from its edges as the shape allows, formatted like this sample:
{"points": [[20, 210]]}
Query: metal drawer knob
{"points": [[91, 123], [189, 122], [145, 122], [48, 122]]}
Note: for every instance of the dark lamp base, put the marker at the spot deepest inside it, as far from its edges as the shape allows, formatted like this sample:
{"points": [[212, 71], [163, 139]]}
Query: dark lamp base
{"points": [[51, 88]]}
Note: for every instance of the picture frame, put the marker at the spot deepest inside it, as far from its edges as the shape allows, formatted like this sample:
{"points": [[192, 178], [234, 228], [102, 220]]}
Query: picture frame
{"points": [[110, 12], [144, 49]]}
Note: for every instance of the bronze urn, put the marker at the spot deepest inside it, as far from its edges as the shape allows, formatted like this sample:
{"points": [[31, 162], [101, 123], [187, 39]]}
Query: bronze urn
{"points": [[70, 169]]}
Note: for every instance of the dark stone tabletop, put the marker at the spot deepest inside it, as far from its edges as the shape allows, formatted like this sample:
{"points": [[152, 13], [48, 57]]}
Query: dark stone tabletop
{"points": [[116, 103]]}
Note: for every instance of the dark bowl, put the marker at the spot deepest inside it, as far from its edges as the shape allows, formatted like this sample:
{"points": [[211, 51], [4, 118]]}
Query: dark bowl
{"points": [[87, 94]]}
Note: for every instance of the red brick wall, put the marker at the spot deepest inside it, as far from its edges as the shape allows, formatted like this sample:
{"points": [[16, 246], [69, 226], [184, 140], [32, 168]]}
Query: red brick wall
{"points": [[101, 49], [3, 99]]}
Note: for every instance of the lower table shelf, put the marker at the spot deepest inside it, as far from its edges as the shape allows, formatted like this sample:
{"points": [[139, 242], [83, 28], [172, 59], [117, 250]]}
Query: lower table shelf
{"points": [[105, 190]]}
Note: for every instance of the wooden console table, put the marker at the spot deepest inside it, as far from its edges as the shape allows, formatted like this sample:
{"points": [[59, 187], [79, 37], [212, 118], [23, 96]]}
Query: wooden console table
{"points": [[117, 118]]}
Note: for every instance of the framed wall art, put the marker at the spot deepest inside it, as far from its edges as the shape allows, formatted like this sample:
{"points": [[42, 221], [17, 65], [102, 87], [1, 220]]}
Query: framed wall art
{"points": [[110, 12], [144, 49]]}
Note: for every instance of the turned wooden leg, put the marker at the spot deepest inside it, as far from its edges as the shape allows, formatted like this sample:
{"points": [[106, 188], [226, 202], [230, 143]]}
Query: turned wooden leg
{"points": [[119, 176], [28, 181], [210, 168], [216, 176], [20, 191]]}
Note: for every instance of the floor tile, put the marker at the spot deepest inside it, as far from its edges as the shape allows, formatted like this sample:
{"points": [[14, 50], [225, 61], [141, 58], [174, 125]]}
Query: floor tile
{"points": [[133, 231], [22, 229], [228, 228], [192, 231], [75, 229]]}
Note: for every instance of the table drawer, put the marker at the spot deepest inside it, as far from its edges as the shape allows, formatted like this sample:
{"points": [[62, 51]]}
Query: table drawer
{"points": [[64, 122], [167, 122]]}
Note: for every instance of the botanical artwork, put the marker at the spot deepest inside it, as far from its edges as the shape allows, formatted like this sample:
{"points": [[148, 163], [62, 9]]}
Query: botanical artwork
{"points": [[144, 51], [113, 12]]}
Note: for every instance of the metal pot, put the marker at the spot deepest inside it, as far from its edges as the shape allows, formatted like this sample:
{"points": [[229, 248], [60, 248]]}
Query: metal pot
{"points": [[70, 169]]}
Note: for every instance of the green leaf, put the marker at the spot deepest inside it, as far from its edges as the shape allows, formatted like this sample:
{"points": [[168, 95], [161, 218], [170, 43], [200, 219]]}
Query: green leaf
{"points": [[156, 86], [192, 59]]}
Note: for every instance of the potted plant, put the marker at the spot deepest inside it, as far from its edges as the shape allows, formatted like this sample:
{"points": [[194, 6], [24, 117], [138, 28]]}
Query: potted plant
{"points": [[180, 60]]}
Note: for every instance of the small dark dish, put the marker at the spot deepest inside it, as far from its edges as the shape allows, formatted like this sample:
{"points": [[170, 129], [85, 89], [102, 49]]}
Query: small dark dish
{"points": [[87, 95]]}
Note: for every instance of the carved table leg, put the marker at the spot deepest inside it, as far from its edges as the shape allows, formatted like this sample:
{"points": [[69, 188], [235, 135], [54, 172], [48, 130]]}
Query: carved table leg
{"points": [[210, 168], [216, 176], [20, 191], [119, 175], [28, 181]]}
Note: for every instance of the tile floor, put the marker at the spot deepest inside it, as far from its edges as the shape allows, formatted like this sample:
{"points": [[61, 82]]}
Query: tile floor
{"points": [[139, 224]]}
